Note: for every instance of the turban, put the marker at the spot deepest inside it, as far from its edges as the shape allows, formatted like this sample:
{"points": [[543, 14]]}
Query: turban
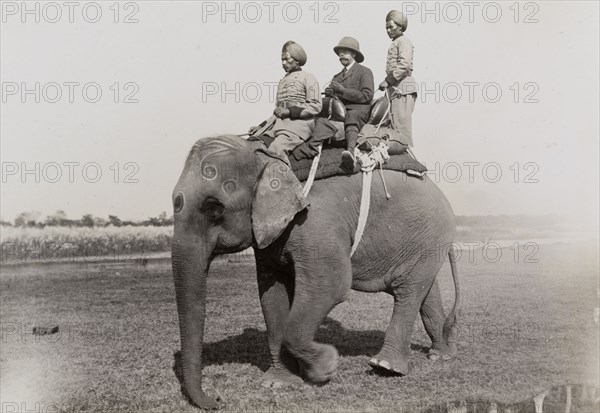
{"points": [[398, 18], [296, 52]]}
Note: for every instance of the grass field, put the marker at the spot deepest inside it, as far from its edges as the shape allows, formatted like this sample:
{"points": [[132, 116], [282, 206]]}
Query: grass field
{"points": [[23, 244], [525, 328], [78, 244]]}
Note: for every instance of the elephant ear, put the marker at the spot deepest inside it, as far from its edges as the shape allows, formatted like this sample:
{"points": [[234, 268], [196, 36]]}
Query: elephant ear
{"points": [[277, 198]]}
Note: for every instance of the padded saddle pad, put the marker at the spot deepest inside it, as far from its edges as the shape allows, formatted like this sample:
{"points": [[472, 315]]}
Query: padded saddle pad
{"points": [[330, 165], [331, 159]]}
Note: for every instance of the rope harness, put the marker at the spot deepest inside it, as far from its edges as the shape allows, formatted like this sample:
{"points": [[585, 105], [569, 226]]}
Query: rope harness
{"points": [[376, 157], [369, 161]]}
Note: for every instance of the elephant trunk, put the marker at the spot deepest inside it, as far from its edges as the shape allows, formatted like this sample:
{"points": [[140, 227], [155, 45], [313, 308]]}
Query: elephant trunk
{"points": [[190, 270]]}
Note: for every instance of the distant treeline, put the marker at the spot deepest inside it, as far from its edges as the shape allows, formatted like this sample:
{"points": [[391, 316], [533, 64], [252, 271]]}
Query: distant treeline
{"points": [[513, 221], [34, 219], [60, 219]]}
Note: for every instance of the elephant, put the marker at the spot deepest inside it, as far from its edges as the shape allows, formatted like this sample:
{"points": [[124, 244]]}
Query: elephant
{"points": [[233, 194]]}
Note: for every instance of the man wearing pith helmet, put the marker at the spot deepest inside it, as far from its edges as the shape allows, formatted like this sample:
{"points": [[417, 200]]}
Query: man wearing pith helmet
{"points": [[399, 83], [354, 87]]}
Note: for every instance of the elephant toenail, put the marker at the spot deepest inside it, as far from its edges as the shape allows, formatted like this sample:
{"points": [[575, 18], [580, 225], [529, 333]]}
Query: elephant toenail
{"points": [[385, 365], [374, 362]]}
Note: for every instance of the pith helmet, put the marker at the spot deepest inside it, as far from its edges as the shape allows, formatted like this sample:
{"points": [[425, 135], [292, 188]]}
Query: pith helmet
{"points": [[352, 44]]}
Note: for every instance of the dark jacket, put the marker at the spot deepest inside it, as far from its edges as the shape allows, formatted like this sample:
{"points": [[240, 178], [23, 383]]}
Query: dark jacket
{"points": [[357, 95], [359, 87]]}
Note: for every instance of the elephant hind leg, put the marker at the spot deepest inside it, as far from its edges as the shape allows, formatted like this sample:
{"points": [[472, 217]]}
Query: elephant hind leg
{"points": [[432, 314], [393, 356], [413, 282]]}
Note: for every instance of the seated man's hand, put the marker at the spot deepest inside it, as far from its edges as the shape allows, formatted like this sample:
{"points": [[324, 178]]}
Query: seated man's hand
{"points": [[337, 87], [383, 85], [329, 92], [253, 130], [282, 113]]}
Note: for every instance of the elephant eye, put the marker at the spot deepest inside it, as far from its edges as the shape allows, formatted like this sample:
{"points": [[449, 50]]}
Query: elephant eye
{"points": [[178, 202], [213, 209]]}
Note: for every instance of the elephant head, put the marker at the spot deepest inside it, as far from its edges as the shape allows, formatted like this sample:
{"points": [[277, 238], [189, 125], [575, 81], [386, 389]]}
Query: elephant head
{"points": [[231, 194]]}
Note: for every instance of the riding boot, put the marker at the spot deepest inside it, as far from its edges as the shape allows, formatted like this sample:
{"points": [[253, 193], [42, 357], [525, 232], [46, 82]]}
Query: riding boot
{"points": [[348, 160]]}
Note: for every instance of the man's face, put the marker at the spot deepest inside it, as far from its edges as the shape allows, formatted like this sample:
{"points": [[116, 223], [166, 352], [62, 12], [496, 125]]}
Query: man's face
{"points": [[288, 62], [346, 56], [392, 29]]}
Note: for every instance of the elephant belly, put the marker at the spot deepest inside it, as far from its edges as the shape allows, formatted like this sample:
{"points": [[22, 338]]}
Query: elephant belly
{"points": [[375, 275], [405, 235], [378, 265]]}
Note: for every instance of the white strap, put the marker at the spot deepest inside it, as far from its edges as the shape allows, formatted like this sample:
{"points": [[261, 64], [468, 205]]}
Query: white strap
{"points": [[387, 194], [365, 202], [312, 173]]}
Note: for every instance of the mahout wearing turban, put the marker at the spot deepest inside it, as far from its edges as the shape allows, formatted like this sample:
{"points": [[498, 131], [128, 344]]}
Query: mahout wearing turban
{"points": [[399, 18], [296, 51]]}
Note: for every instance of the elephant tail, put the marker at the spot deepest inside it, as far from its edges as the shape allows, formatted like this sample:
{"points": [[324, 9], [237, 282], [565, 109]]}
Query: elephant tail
{"points": [[450, 323]]}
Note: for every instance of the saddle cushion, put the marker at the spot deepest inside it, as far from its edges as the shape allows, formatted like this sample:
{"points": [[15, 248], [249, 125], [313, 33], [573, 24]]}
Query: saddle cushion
{"points": [[330, 165], [301, 160]]}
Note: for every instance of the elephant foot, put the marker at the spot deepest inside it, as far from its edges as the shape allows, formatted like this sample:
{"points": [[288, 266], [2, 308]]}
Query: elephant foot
{"points": [[204, 401], [324, 364], [442, 351], [279, 377], [389, 363]]}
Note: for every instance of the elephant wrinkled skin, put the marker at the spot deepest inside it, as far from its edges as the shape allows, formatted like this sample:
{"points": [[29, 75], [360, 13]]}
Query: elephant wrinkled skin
{"points": [[232, 195]]}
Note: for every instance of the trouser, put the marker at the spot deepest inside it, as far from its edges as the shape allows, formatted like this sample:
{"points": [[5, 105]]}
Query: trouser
{"points": [[351, 138], [401, 110], [290, 133], [285, 142], [354, 120]]}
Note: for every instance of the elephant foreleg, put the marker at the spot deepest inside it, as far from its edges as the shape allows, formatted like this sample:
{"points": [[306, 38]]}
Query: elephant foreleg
{"points": [[320, 286], [432, 314], [276, 294]]}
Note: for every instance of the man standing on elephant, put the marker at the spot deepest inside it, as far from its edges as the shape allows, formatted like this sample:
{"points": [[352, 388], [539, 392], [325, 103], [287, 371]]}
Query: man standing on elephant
{"points": [[298, 102], [354, 87], [399, 83]]}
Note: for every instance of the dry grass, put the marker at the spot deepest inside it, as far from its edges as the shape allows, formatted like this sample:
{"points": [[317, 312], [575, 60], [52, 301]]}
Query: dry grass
{"points": [[524, 328], [72, 243]]}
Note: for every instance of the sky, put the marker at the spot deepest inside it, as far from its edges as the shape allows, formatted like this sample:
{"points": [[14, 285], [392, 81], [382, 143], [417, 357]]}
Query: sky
{"points": [[101, 103]]}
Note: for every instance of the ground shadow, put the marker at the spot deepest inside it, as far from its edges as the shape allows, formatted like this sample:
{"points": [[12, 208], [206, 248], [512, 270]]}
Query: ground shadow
{"points": [[251, 347]]}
